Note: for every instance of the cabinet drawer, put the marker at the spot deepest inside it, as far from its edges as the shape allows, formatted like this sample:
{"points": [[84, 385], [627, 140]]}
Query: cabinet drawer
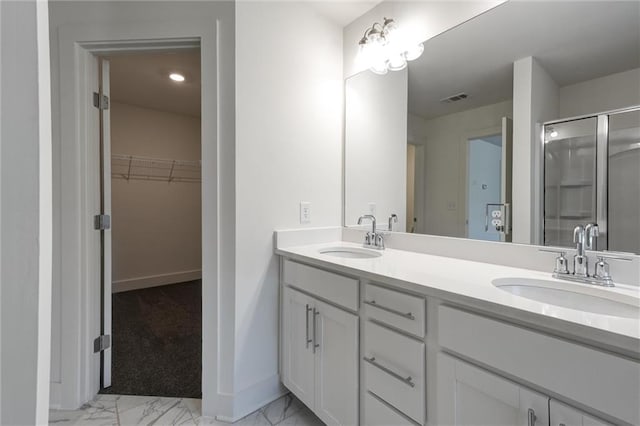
{"points": [[335, 288], [377, 413], [394, 369], [399, 310]]}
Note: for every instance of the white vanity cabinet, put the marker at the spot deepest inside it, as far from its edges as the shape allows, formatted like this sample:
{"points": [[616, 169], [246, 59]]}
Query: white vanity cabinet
{"points": [[320, 354], [563, 415], [468, 395]]}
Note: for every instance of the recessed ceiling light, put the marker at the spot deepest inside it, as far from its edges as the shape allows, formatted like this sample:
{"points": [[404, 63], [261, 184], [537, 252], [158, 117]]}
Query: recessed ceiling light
{"points": [[176, 77]]}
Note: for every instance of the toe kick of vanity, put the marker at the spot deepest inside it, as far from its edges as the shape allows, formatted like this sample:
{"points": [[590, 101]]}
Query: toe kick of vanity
{"points": [[362, 351]]}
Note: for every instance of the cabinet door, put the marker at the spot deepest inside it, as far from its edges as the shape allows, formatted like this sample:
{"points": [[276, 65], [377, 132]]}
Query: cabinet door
{"points": [[468, 395], [298, 358], [563, 415], [336, 337]]}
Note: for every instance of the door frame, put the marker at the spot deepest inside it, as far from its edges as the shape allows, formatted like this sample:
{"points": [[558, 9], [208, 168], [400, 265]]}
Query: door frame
{"points": [[79, 243]]}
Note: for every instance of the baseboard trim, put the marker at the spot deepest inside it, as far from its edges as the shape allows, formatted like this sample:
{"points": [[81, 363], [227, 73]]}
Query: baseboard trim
{"points": [[155, 280], [254, 398]]}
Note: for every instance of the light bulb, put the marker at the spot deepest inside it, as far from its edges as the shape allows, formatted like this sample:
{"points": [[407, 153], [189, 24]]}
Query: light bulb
{"points": [[414, 52], [397, 62], [176, 77], [554, 134], [379, 67]]}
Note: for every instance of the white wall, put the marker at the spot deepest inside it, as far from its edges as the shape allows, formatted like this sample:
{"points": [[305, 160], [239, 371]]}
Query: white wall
{"points": [[376, 155], [535, 100], [289, 92], [155, 224], [420, 19], [600, 94], [446, 162], [25, 216]]}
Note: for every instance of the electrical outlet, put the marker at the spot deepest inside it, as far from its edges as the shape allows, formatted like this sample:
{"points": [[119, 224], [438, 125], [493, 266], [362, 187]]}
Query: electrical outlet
{"points": [[372, 209], [305, 212], [451, 205], [496, 213]]}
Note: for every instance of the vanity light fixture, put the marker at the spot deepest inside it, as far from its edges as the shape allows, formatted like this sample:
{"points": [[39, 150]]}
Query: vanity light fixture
{"points": [[385, 48], [176, 77]]}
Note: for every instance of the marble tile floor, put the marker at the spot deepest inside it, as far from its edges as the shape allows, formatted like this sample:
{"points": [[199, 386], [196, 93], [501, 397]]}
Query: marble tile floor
{"points": [[130, 410]]}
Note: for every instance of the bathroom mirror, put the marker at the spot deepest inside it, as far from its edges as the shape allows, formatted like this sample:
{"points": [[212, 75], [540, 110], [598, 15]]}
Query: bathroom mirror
{"points": [[434, 143]]}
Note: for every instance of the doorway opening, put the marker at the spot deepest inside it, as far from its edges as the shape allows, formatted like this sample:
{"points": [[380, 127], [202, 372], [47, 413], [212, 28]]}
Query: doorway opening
{"points": [[153, 141], [484, 176]]}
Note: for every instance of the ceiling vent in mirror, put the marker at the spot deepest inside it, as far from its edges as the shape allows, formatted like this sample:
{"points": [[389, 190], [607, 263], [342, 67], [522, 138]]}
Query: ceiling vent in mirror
{"points": [[454, 98], [384, 47]]}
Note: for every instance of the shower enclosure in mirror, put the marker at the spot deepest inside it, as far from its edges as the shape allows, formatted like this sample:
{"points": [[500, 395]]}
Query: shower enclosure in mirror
{"points": [[452, 143], [592, 175]]}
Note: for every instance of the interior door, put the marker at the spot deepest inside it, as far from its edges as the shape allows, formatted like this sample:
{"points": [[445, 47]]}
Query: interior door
{"points": [[105, 211], [506, 180]]}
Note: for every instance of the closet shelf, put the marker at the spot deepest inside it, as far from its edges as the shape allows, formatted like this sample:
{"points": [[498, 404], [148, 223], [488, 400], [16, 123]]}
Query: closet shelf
{"points": [[158, 169]]}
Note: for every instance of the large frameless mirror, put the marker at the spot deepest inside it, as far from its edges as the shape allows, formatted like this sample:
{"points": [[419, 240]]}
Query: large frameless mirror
{"points": [[441, 143]]}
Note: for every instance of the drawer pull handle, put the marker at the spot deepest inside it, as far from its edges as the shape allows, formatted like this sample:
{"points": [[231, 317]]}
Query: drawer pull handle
{"points": [[408, 315], [531, 417], [314, 342], [405, 380]]}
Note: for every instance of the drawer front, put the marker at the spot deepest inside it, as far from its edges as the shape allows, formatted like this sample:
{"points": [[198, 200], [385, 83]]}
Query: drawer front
{"points": [[580, 373], [394, 369], [399, 310], [377, 413], [335, 288]]}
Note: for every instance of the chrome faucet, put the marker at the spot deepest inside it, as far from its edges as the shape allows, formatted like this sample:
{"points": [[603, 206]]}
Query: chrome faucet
{"points": [[585, 238], [372, 239]]}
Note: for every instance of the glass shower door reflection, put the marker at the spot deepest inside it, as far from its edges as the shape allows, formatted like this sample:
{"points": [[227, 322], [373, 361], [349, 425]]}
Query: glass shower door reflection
{"points": [[624, 182], [569, 178]]}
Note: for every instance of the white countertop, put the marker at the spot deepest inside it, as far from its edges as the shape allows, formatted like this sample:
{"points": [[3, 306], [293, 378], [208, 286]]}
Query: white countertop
{"points": [[470, 282]]}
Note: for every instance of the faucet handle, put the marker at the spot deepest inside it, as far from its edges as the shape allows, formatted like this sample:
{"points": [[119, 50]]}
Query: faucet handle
{"points": [[602, 271], [602, 268], [562, 265]]}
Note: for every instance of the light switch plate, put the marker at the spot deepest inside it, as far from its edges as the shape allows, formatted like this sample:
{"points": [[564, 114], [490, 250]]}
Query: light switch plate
{"points": [[305, 212]]}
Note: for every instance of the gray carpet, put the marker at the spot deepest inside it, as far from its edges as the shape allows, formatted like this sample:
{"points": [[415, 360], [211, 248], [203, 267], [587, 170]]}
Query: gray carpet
{"points": [[157, 341]]}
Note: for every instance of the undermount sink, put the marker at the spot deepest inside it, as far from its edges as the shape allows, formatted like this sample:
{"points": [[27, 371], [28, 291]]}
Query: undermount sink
{"points": [[589, 299], [351, 252]]}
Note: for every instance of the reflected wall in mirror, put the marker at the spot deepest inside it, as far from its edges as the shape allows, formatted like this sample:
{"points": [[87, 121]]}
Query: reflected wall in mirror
{"points": [[477, 100]]}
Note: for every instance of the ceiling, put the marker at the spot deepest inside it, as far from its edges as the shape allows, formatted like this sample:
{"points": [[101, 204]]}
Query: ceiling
{"points": [[143, 80], [573, 40]]}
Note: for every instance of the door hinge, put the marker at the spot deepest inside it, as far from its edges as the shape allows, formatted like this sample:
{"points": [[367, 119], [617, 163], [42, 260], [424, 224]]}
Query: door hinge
{"points": [[101, 343], [102, 222], [101, 104]]}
